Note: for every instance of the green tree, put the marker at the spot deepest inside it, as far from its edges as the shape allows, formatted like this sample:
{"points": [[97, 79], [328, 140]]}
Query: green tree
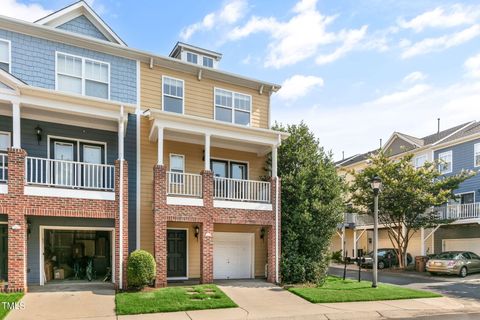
{"points": [[312, 205], [407, 198]]}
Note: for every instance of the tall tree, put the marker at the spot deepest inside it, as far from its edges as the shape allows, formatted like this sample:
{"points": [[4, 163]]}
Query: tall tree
{"points": [[312, 205], [407, 197]]}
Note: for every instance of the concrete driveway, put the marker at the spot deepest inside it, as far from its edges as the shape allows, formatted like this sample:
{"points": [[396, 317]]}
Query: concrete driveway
{"points": [[63, 301]]}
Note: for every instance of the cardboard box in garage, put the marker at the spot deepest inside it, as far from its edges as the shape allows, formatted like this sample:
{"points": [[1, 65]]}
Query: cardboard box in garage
{"points": [[59, 274]]}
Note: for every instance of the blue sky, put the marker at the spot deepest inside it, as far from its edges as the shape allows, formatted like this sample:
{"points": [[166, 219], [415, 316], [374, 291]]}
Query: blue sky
{"points": [[353, 70]]}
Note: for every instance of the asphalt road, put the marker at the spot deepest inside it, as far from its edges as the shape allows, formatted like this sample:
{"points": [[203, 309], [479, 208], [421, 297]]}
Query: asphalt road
{"points": [[466, 288], [468, 316]]}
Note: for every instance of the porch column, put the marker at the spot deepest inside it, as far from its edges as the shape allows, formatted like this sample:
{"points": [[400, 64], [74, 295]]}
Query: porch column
{"points": [[160, 211], [16, 125], [354, 243], [422, 239], [160, 146], [207, 152], [206, 234], [121, 135], [274, 161]]}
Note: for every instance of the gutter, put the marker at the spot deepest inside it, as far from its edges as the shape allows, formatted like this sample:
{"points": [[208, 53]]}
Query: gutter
{"points": [[120, 198]]}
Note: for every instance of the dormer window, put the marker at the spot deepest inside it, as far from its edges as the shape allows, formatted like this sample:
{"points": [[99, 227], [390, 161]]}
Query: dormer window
{"points": [[192, 58], [207, 62], [196, 55]]}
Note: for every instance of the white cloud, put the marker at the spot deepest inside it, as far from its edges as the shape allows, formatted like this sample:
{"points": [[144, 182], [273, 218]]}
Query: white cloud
{"points": [[301, 36], [231, 12], [472, 65], [441, 43], [298, 86], [443, 17], [414, 77], [28, 12]]}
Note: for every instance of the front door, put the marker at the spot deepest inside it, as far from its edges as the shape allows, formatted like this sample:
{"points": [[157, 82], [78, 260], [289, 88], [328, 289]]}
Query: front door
{"points": [[3, 252], [176, 253]]}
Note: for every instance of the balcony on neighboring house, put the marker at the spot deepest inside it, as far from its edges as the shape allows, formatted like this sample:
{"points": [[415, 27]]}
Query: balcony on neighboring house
{"points": [[457, 211]]}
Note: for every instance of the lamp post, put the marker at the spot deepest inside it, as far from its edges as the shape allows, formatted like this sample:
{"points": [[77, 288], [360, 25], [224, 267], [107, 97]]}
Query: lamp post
{"points": [[376, 185]]}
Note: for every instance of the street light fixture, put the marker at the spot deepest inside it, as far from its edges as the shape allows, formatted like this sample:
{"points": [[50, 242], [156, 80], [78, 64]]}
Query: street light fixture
{"points": [[376, 186]]}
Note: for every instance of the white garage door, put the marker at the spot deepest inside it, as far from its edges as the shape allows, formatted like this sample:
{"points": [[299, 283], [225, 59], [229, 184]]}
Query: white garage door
{"points": [[232, 255], [472, 245]]}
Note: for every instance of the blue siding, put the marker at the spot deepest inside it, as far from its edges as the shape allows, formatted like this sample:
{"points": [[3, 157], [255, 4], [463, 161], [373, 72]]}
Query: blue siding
{"points": [[83, 26], [33, 61], [462, 155], [131, 157], [33, 242]]}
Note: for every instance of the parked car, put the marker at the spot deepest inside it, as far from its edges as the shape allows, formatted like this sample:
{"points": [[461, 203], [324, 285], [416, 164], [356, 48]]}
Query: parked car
{"points": [[454, 262], [387, 257]]}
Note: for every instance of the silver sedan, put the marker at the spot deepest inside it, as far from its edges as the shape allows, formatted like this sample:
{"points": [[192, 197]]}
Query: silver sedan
{"points": [[454, 262]]}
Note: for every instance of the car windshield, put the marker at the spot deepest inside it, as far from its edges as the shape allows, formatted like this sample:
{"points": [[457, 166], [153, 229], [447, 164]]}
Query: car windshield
{"points": [[447, 255]]}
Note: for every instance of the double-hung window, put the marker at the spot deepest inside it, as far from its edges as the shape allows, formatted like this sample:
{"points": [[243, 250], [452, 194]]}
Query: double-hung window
{"points": [[172, 95], [446, 162], [476, 158], [5, 141], [207, 62], [232, 107], [192, 57], [5, 55], [83, 76], [419, 161], [177, 167]]}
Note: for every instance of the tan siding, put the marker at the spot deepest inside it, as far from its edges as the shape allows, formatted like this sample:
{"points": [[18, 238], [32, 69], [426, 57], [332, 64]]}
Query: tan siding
{"points": [[199, 95]]}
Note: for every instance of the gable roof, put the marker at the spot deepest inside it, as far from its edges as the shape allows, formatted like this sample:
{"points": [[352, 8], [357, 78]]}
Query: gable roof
{"points": [[76, 10], [179, 45]]}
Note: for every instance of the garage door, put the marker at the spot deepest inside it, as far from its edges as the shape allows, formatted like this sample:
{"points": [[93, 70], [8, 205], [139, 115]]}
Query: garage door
{"points": [[232, 255], [472, 245]]}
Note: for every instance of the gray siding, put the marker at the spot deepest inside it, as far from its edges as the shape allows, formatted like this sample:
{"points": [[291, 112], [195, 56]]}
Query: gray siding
{"points": [[33, 242], [131, 157], [463, 231], [82, 26]]}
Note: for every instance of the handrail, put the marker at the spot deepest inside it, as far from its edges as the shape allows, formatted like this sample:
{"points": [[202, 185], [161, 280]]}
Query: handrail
{"points": [[184, 184], [241, 190]]}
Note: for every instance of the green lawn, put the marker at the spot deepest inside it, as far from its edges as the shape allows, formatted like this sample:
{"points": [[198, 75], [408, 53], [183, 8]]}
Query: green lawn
{"points": [[172, 299], [338, 290], [8, 297]]}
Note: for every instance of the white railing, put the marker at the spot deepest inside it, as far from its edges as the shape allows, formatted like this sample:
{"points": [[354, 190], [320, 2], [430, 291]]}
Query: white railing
{"points": [[459, 211], [69, 174], [241, 190], [3, 167], [184, 184], [358, 219]]}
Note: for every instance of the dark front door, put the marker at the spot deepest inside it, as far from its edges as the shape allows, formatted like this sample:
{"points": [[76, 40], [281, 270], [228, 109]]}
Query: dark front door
{"points": [[176, 253], [3, 252]]}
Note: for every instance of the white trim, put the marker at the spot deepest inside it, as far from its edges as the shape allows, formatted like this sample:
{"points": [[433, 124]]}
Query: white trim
{"points": [[138, 113], [83, 77], [9, 139], [475, 151], [42, 229], [187, 253], [77, 142], [451, 134], [68, 193], [233, 106], [242, 205], [183, 201], [175, 97], [229, 161], [252, 243], [3, 188], [9, 54], [446, 153]]}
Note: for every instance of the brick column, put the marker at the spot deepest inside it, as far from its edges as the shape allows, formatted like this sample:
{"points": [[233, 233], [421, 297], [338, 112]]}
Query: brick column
{"points": [[206, 234], [271, 232], [17, 226], [160, 223], [121, 256]]}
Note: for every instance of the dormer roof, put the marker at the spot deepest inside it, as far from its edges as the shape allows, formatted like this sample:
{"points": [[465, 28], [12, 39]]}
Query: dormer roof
{"points": [[179, 46]]}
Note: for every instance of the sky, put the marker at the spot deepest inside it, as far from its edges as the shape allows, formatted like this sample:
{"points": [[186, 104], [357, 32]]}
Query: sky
{"points": [[355, 71]]}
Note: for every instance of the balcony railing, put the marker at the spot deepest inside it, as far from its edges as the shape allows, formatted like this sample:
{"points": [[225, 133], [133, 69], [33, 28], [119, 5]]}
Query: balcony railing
{"points": [[358, 219], [69, 174], [459, 211], [184, 184], [241, 190], [3, 168]]}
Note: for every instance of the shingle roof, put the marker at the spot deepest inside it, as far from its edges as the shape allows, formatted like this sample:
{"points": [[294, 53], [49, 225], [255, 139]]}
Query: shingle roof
{"points": [[469, 130], [442, 134]]}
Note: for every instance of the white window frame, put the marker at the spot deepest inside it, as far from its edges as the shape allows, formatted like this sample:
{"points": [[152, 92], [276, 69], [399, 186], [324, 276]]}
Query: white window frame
{"points": [[443, 154], [459, 195], [193, 54], [83, 77], [9, 134], [233, 106], [9, 54], [476, 150], [183, 162], [168, 95], [78, 142], [203, 64], [420, 156]]}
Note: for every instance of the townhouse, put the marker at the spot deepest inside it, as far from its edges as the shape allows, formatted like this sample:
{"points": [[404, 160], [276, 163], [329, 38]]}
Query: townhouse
{"points": [[105, 149], [457, 148]]}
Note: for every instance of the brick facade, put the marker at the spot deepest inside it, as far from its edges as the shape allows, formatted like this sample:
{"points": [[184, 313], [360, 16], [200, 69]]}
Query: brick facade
{"points": [[18, 206], [206, 216]]}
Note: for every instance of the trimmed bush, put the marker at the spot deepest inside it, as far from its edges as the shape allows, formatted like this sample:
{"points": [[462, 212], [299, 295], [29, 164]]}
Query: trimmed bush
{"points": [[141, 269]]}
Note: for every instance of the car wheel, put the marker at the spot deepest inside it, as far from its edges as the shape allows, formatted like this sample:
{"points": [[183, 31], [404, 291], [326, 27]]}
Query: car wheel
{"points": [[381, 265], [463, 272]]}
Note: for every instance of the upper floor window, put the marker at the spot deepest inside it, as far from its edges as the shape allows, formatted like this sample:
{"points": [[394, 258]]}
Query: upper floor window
{"points": [[177, 163], [83, 76], [172, 95], [5, 141], [477, 154], [5, 55], [419, 161], [208, 62], [192, 57], [232, 107], [446, 162]]}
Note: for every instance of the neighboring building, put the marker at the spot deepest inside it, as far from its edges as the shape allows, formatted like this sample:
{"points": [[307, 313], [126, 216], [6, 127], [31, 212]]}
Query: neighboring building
{"points": [[458, 148], [105, 149]]}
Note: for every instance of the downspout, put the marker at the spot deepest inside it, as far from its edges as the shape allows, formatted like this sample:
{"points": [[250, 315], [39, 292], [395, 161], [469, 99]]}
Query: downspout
{"points": [[276, 218], [120, 197]]}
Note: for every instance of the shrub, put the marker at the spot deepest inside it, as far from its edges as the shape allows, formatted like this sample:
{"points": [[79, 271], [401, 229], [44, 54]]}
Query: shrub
{"points": [[337, 256], [141, 269]]}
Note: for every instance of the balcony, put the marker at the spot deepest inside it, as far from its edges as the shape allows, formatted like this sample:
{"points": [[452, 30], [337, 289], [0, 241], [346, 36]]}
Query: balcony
{"points": [[459, 211], [3, 168], [184, 184], [357, 220], [241, 190]]}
